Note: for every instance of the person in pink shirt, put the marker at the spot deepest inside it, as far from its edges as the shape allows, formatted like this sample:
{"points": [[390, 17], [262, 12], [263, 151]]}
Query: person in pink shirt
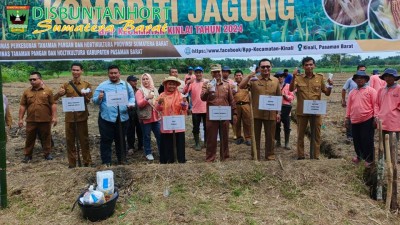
{"points": [[388, 102], [149, 117], [287, 98], [360, 112], [172, 103], [375, 82], [199, 107]]}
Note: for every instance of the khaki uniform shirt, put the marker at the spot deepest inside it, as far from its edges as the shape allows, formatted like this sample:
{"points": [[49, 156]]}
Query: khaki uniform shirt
{"points": [[242, 96], [264, 86], [70, 92], [308, 89], [38, 104], [222, 97]]}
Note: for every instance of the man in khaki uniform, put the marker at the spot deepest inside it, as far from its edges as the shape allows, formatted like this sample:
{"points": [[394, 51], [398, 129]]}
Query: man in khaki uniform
{"points": [[217, 93], [243, 112], [80, 129], [38, 102], [309, 87], [263, 84]]}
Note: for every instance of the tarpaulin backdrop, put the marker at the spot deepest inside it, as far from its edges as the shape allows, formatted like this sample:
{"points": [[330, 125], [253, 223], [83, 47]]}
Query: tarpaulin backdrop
{"points": [[93, 29]]}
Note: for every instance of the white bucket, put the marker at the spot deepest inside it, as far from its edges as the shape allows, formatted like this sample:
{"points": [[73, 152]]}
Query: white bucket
{"points": [[105, 182]]}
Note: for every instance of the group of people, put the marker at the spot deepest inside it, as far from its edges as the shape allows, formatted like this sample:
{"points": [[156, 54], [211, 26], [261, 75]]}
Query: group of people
{"points": [[144, 108], [371, 99]]}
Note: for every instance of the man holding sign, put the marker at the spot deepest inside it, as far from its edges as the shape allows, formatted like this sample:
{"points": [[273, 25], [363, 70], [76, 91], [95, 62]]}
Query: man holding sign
{"points": [[265, 106], [76, 125], [220, 106], [114, 96], [309, 87]]}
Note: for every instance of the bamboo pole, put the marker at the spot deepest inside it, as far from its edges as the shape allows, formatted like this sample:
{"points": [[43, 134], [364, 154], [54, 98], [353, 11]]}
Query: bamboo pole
{"points": [[393, 155], [389, 173], [381, 164], [3, 165], [253, 137]]}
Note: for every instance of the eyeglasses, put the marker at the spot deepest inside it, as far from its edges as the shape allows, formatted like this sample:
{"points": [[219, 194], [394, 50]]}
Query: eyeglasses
{"points": [[32, 79], [263, 67]]}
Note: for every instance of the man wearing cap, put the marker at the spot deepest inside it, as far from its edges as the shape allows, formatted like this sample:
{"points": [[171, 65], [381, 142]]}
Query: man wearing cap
{"points": [[309, 86], [171, 103], [375, 82], [360, 111], [172, 72], [243, 112], [76, 125], [199, 108], [113, 119], [265, 84], [347, 88], [133, 122], [189, 76], [287, 98], [388, 103], [217, 93], [288, 76]]}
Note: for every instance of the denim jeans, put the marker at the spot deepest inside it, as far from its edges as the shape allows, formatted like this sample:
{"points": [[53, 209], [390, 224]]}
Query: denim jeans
{"points": [[146, 131]]}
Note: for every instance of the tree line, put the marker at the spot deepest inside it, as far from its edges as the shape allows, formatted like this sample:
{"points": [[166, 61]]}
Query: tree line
{"points": [[18, 71]]}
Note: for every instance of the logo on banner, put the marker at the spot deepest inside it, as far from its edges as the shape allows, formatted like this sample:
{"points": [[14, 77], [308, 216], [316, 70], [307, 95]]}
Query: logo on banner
{"points": [[300, 46], [17, 18], [188, 51]]}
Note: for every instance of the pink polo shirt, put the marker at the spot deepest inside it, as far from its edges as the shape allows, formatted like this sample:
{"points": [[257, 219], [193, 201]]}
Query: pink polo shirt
{"points": [[388, 102], [198, 106], [361, 104], [141, 102], [289, 95], [376, 83]]}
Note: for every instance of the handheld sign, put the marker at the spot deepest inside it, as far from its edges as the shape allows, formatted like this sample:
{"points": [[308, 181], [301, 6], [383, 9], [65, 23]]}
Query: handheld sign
{"points": [[75, 104], [119, 98], [314, 107], [271, 103], [174, 122], [220, 113]]}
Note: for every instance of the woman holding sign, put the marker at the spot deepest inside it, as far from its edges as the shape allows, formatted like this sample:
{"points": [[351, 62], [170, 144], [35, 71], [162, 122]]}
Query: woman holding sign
{"points": [[173, 106]]}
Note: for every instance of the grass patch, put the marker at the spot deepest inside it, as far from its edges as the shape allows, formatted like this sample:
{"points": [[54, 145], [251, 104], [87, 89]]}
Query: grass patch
{"points": [[202, 208]]}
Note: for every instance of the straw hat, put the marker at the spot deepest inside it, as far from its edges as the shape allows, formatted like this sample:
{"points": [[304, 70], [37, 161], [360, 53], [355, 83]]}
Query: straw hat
{"points": [[172, 78]]}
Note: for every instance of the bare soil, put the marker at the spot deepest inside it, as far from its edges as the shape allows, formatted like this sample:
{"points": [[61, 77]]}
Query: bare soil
{"points": [[237, 191]]}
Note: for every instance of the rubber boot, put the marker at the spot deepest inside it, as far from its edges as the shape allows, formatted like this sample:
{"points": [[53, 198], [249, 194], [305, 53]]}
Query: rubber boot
{"points": [[287, 136], [197, 145]]}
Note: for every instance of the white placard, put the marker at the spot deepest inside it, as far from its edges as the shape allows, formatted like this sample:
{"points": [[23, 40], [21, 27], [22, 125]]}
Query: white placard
{"points": [[220, 113], [74, 104], [174, 122], [271, 103], [119, 98], [314, 107]]}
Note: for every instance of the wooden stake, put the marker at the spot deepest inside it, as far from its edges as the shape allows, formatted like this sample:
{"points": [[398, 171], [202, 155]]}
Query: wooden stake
{"points": [[389, 173], [381, 165], [393, 155], [253, 137]]}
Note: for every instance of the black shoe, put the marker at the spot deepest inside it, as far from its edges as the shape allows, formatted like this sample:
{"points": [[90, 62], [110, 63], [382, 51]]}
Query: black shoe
{"points": [[48, 157], [71, 167], [248, 143], [239, 141], [27, 159], [301, 158]]}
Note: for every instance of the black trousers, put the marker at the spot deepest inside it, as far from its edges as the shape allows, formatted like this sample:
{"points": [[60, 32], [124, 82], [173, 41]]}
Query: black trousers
{"points": [[285, 119], [111, 132], [363, 139], [197, 118], [133, 130], [167, 148]]}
